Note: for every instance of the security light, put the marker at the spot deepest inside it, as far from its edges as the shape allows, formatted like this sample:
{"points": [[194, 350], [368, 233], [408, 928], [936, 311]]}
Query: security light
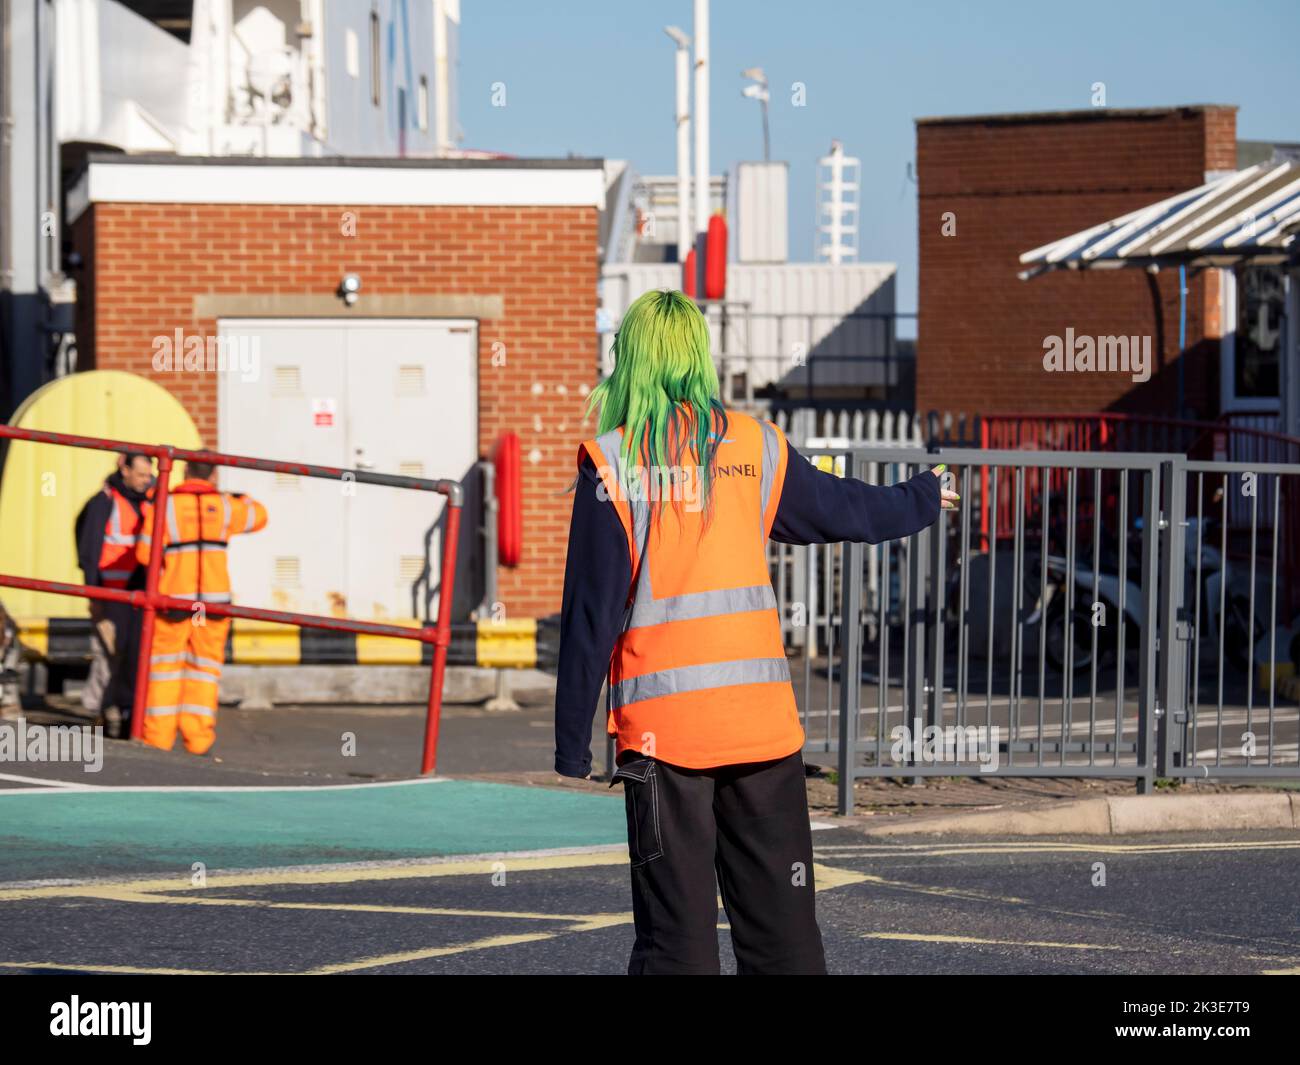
{"points": [[678, 36], [349, 288]]}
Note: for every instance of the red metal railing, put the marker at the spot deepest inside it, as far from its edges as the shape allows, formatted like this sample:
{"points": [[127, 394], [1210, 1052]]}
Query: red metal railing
{"points": [[151, 600], [1118, 431], [1113, 431]]}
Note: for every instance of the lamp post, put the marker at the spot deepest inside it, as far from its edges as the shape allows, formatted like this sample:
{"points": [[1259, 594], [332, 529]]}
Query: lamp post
{"points": [[701, 141], [758, 91], [683, 140]]}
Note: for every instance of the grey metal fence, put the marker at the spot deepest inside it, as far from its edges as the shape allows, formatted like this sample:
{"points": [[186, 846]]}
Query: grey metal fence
{"points": [[1024, 634], [1233, 611]]}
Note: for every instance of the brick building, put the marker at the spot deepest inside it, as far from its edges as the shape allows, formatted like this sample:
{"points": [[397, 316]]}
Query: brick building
{"points": [[476, 315], [992, 187]]}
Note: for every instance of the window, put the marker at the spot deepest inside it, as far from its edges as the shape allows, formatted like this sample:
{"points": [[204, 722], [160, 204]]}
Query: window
{"points": [[422, 103], [374, 58], [1261, 304]]}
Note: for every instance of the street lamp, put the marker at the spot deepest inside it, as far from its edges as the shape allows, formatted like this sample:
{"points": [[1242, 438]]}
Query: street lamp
{"points": [[758, 91], [683, 140]]}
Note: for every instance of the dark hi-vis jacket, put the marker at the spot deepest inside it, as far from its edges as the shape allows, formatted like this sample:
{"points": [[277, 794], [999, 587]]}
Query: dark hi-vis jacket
{"points": [[106, 531], [701, 631]]}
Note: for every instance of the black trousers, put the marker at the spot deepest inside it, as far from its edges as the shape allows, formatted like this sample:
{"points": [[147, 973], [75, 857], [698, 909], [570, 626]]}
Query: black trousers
{"points": [[128, 623], [741, 830]]}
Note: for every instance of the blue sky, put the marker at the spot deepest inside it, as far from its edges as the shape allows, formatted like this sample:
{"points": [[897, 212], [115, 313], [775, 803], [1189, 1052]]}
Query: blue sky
{"points": [[596, 78]]}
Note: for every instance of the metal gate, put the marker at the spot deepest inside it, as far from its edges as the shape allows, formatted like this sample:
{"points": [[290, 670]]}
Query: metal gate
{"points": [[1024, 634]]}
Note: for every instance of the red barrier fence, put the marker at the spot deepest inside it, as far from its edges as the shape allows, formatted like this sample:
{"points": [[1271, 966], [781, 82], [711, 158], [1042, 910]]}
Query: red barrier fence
{"points": [[151, 600], [1115, 431]]}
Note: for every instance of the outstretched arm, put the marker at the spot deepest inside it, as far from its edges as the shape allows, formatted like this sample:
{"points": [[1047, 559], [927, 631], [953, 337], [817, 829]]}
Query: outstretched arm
{"points": [[820, 508]]}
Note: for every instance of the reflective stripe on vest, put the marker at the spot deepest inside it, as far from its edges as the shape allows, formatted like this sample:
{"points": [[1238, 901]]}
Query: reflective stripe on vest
{"points": [[197, 545], [699, 678], [202, 597]]}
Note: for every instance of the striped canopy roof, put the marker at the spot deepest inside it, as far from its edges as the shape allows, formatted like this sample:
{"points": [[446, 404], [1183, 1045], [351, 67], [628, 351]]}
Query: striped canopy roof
{"points": [[1252, 214]]}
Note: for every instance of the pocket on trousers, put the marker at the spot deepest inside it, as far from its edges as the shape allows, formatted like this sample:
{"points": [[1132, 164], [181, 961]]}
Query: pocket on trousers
{"points": [[641, 796]]}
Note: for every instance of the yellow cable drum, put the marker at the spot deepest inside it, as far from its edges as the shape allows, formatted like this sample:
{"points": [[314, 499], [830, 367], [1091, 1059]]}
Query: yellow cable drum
{"points": [[44, 486]]}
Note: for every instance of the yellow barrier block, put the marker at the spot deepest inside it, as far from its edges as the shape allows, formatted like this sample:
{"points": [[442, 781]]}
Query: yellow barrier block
{"points": [[388, 650], [34, 635], [507, 644], [264, 643]]}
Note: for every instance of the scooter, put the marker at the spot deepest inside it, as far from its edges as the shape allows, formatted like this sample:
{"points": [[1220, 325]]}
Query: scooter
{"points": [[1215, 577]]}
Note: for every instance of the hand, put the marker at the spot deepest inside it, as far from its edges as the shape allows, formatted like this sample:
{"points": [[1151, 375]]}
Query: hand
{"points": [[947, 500]]}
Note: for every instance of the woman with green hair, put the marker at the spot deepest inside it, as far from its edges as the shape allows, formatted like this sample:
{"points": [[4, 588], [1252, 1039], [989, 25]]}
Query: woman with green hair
{"points": [[668, 600]]}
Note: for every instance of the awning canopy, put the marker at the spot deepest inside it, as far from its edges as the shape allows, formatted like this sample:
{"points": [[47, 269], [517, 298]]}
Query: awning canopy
{"points": [[1252, 215]]}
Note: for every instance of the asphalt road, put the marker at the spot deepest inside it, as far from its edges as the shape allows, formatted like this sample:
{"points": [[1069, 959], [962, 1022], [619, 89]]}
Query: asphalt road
{"points": [[320, 857], [1169, 904]]}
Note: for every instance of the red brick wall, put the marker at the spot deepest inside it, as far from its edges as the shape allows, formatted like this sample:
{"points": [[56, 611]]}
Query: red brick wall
{"points": [[145, 263], [1017, 183]]}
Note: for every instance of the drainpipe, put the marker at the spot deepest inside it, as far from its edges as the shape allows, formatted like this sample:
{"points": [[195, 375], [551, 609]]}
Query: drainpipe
{"points": [[1182, 334]]}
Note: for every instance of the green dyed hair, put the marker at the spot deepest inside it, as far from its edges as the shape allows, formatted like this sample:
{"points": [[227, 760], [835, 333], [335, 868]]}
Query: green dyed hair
{"points": [[664, 391]]}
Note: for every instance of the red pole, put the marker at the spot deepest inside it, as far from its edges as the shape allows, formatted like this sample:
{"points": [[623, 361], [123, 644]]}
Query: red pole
{"points": [[138, 708], [984, 488], [442, 634]]}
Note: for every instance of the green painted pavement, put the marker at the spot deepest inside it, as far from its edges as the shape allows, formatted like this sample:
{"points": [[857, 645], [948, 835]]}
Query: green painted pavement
{"points": [[103, 833]]}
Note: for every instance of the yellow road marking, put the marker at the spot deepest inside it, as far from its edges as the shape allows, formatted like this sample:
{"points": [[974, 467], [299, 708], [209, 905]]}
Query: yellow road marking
{"points": [[276, 878], [127, 970], [591, 924], [916, 937], [348, 907], [827, 877], [923, 850], [430, 952], [952, 893], [166, 892]]}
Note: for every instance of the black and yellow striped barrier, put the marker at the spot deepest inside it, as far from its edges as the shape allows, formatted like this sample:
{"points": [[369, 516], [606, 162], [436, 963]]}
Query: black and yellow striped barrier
{"points": [[525, 643]]}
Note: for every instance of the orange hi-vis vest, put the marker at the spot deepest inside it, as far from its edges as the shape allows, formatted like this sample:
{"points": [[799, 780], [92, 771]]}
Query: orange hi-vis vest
{"points": [[698, 676], [117, 559], [200, 521]]}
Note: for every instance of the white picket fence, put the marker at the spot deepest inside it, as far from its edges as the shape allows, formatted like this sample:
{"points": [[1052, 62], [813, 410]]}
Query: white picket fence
{"points": [[805, 575], [806, 427]]}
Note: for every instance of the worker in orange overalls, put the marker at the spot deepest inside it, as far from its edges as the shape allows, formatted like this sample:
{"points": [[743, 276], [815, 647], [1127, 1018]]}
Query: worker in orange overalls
{"points": [[190, 647]]}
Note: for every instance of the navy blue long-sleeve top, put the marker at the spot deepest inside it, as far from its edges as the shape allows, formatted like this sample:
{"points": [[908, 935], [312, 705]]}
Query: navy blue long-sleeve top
{"points": [[815, 508]]}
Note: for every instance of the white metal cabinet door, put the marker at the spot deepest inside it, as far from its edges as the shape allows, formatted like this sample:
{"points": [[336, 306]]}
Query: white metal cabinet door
{"points": [[291, 409], [412, 393]]}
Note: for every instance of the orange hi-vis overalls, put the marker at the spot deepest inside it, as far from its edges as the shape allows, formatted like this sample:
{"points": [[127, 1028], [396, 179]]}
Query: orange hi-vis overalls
{"points": [[699, 677], [189, 648]]}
